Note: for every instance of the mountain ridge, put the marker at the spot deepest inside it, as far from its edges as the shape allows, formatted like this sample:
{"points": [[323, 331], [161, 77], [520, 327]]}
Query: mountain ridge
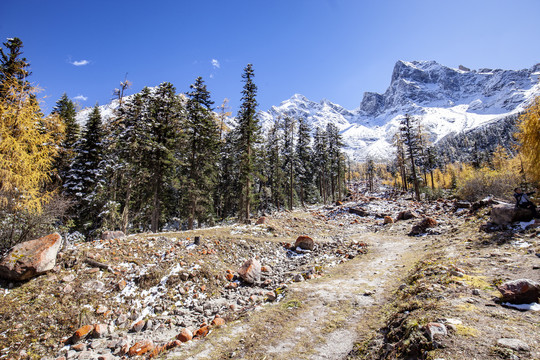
{"points": [[447, 100]]}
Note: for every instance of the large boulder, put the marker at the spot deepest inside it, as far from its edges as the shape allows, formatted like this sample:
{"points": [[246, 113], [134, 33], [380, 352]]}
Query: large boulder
{"points": [[522, 291], [506, 214], [31, 258], [250, 271]]}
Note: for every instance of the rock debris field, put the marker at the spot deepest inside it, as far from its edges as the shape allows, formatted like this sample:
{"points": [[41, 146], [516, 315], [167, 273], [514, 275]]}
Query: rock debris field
{"points": [[375, 278]]}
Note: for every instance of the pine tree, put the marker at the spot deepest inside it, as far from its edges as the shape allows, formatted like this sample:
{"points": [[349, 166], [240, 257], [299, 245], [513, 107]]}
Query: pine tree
{"points": [[86, 172], [13, 66], [202, 140], [304, 157], [28, 144], [65, 108], [321, 161], [289, 156], [160, 145], [274, 176], [529, 138], [247, 138], [126, 171], [408, 130], [335, 160]]}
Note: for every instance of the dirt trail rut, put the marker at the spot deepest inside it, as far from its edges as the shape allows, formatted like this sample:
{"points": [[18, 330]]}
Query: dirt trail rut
{"points": [[322, 318]]}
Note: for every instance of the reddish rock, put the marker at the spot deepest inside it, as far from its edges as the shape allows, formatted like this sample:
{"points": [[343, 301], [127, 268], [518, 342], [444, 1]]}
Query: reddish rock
{"points": [[262, 220], [231, 285], [304, 242], [81, 333], [229, 276], [31, 258], [266, 269], [172, 344], [271, 296], [79, 347], [388, 220], [423, 226], [100, 330], [138, 326], [110, 235], [218, 321], [185, 335], [202, 331], [522, 291], [406, 215], [121, 285], [250, 271], [141, 348]]}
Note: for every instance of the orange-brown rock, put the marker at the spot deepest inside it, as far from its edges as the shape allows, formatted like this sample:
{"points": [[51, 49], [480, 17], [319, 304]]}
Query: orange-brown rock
{"points": [[202, 331], [266, 269], [79, 347], [229, 276], [31, 258], [172, 344], [262, 220], [388, 220], [218, 321], [304, 242], [81, 333], [138, 326], [250, 271], [185, 335], [141, 348], [100, 330], [121, 285]]}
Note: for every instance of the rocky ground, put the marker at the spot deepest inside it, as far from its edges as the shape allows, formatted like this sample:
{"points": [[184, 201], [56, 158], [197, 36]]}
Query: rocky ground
{"points": [[367, 290]]}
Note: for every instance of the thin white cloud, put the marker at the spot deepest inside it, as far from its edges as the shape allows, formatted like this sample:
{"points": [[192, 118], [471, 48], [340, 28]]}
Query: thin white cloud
{"points": [[215, 64], [80, 62], [80, 97], [211, 76]]}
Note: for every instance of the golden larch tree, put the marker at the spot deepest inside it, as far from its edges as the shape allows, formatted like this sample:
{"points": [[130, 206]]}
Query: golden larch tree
{"points": [[28, 143], [529, 138]]}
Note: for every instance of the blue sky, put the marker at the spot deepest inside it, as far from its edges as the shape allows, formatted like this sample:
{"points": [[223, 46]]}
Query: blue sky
{"points": [[333, 49]]}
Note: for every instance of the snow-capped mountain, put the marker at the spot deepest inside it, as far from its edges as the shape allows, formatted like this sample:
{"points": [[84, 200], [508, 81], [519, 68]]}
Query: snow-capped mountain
{"points": [[446, 100]]}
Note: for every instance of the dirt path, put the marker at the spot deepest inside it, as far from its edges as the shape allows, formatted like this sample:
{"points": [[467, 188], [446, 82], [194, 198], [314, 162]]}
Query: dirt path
{"points": [[322, 318]]}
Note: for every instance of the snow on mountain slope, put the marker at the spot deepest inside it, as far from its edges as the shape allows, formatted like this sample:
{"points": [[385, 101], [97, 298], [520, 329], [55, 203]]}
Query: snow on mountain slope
{"points": [[446, 100]]}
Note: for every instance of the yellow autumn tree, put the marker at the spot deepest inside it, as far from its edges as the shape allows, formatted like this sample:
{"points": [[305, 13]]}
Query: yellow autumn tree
{"points": [[529, 138], [28, 143]]}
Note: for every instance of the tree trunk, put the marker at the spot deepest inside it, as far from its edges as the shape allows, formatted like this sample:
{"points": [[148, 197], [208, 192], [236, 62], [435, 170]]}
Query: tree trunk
{"points": [[155, 209], [125, 211]]}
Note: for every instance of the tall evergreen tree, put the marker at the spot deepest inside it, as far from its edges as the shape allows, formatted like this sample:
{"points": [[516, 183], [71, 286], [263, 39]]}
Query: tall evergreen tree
{"points": [[289, 156], [321, 161], [86, 173], [202, 140], [336, 167], [304, 157], [408, 130], [13, 66], [247, 137], [65, 108], [275, 175], [160, 145]]}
